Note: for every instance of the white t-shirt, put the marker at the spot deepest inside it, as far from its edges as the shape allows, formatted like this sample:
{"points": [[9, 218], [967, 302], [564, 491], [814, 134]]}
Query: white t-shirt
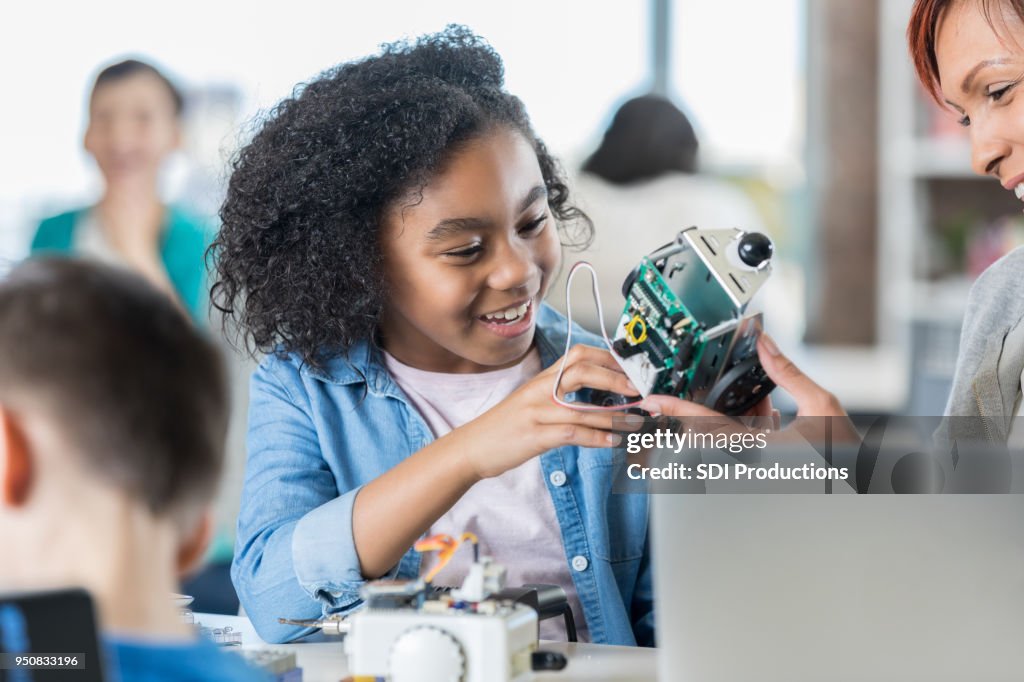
{"points": [[512, 515], [89, 241]]}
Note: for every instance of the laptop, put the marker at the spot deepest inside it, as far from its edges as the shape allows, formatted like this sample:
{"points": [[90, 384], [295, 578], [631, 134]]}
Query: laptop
{"points": [[839, 587], [55, 631]]}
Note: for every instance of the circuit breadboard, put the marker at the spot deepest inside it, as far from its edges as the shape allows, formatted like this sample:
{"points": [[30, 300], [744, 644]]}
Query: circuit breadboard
{"points": [[657, 323]]}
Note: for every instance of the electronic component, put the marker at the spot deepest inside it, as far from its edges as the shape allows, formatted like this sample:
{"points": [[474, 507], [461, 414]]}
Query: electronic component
{"points": [[282, 665], [226, 636], [625, 349], [549, 660], [683, 331], [407, 631]]}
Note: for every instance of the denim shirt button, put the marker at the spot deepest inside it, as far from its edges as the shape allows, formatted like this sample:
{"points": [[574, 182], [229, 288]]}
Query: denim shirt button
{"points": [[557, 478], [580, 563]]}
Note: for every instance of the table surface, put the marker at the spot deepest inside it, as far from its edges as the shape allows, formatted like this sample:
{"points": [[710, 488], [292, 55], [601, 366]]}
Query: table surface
{"points": [[325, 661]]}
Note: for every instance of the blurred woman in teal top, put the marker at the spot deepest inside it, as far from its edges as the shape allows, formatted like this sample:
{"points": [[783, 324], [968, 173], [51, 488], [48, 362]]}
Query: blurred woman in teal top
{"points": [[134, 125]]}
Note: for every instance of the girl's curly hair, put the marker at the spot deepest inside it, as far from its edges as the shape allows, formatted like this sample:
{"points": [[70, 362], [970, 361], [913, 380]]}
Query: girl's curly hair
{"points": [[298, 260]]}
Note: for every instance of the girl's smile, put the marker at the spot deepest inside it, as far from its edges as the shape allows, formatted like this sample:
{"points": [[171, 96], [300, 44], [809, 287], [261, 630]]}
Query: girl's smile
{"points": [[510, 322]]}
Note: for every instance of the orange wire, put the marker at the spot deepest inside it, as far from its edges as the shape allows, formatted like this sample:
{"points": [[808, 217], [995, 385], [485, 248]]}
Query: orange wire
{"points": [[445, 546]]}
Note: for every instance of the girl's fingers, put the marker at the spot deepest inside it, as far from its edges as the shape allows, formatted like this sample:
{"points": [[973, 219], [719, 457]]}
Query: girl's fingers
{"points": [[596, 356], [585, 354], [583, 436], [567, 416], [604, 421], [588, 375], [676, 407]]}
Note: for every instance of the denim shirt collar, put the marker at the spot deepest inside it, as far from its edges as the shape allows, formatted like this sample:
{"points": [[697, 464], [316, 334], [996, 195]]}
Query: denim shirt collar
{"points": [[364, 362]]}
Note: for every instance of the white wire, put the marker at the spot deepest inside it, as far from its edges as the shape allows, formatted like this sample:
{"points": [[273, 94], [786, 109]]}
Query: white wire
{"points": [[581, 265]]}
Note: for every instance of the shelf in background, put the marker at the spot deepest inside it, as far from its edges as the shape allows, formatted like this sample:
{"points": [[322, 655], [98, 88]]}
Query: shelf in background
{"points": [[938, 158], [866, 379], [939, 302]]}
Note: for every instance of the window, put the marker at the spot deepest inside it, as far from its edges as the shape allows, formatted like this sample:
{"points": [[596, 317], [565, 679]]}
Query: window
{"points": [[568, 61], [738, 68]]}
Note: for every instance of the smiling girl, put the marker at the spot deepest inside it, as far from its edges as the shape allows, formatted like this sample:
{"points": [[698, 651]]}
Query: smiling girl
{"points": [[388, 238]]}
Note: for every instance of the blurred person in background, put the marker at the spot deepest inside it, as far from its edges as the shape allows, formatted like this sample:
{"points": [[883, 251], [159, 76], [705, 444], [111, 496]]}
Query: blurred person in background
{"points": [[641, 187], [134, 126]]}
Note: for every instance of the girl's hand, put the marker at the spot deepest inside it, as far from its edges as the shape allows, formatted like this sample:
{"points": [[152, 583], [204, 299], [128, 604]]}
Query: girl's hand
{"points": [[529, 422], [811, 399], [397, 507]]}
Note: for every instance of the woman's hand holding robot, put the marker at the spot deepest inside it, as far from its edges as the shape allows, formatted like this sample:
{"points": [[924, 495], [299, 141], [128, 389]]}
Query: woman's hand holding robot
{"points": [[811, 399]]}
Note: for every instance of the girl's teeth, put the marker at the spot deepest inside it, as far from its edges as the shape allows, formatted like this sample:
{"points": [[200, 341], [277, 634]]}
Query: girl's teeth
{"points": [[509, 314], [1019, 190]]}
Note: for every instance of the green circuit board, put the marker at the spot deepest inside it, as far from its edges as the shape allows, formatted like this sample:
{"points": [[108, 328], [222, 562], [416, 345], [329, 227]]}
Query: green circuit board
{"points": [[660, 325]]}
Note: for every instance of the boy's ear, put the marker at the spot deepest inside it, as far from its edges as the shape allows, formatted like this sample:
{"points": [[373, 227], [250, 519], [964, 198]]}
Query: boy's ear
{"points": [[15, 461], [194, 545]]}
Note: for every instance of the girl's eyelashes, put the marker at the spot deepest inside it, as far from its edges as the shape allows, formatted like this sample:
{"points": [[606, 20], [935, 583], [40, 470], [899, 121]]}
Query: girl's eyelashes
{"points": [[467, 252], [535, 224], [532, 227]]}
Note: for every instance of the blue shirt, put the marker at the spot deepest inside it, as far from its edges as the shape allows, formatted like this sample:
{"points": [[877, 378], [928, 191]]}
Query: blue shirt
{"points": [[198, 661], [317, 435]]}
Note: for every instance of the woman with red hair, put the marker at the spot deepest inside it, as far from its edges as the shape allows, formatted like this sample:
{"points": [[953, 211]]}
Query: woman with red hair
{"points": [[969, 54]]}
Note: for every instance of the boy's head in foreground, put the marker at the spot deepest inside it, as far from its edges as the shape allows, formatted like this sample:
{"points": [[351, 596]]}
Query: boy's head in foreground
{"points": [[112, 420]]}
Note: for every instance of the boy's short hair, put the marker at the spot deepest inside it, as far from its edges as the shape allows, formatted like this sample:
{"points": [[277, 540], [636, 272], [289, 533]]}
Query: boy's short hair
{"points": [[133, 67], [131, 385]]}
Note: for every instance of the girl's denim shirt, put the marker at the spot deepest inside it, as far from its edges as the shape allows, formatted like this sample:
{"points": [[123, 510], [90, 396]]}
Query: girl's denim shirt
{"points": [[316, 436]]}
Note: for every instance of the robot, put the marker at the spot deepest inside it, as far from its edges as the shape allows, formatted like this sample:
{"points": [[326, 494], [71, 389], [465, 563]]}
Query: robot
{"points": [[407, 631], [401, 636], [683, 330]]}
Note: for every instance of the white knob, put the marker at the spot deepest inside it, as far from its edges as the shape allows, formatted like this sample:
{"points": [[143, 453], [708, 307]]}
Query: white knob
{"points": [[426, 654]]}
